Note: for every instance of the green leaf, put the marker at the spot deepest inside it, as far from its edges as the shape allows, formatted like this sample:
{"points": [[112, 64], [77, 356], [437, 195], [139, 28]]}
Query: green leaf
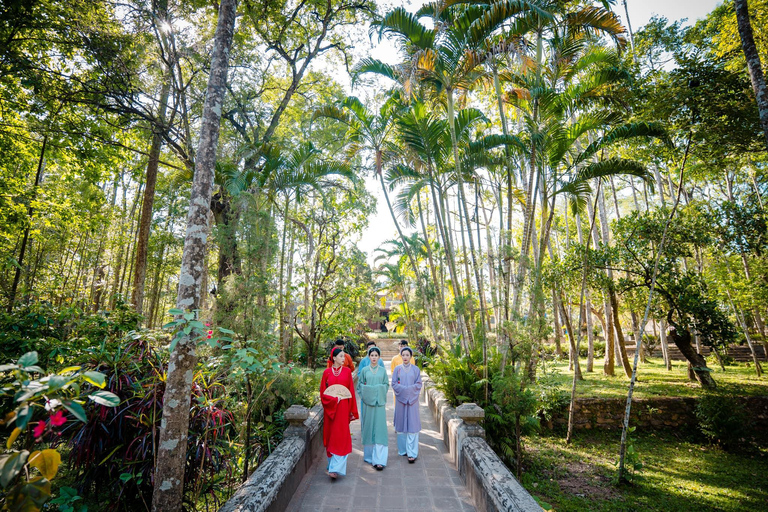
{"points": [[23, 415], [28, 359], [76, 409], [225, 331], [30, 496], [69, 369], [105, 398], [33, 369], [125, 477], [175, 312], [10, 466], [98, 379], [56, 382]]}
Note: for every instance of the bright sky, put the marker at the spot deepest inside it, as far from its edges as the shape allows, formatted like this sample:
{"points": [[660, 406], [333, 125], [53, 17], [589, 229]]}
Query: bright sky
{"points": [[381, 227]]}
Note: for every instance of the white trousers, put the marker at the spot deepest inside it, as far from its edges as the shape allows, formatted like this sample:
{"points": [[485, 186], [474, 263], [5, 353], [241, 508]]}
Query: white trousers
{"points": [[408, 444], [337, 464], [375, 454]]}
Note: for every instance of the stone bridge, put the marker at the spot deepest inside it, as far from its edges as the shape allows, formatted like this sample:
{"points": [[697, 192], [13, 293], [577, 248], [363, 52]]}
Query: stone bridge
{"points": [[455, 470]]}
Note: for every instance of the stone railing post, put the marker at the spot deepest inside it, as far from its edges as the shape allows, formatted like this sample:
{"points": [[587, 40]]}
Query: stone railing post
{"points": [[472, 415], [296, 415]]}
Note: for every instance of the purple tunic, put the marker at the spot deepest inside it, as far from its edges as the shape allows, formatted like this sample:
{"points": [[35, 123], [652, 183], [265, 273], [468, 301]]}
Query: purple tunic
{"points": [[406, 384]]}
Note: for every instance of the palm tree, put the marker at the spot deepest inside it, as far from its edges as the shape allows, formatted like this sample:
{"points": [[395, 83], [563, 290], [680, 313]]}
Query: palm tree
{"points": [[372, 131]]}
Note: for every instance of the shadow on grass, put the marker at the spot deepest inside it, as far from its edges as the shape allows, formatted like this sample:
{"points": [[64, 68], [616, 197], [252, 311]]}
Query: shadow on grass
{"points": [[678, 475]]}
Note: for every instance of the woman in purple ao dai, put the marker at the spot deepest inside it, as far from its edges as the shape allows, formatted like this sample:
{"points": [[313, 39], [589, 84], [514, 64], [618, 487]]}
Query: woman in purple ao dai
{"points": [[406, 384]]}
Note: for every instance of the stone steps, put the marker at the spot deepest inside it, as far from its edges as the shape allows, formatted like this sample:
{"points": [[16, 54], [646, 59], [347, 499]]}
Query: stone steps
{"points": [[740, 353]]}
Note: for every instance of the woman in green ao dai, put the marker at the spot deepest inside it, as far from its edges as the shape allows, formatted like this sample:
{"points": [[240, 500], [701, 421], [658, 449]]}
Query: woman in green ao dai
{"points": [[374, 384]]}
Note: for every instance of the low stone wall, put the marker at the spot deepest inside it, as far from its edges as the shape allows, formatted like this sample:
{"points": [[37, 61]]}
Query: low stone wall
{"points": [[271, 487], [655, 413], [490, 483]]}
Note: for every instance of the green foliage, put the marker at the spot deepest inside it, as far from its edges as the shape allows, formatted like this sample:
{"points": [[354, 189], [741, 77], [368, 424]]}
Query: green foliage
{"points": [[686, 299], [510, 415], [631, 457], [45, 397], [460, 376], [68, 500], [552, 398], [113, 450], [61, 334], [723, 419]]}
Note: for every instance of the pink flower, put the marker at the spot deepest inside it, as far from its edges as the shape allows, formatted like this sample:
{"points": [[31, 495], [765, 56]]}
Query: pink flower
{"points": [[209, 336], [58, 419], [207, 325], [210, 333], [39, 429]]}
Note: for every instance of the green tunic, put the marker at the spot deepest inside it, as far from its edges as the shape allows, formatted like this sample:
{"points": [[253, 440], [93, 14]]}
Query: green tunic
{"points": [[373, 412]]}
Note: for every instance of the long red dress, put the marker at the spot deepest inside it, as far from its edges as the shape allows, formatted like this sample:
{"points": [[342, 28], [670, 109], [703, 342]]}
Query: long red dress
{"points": [[336, 436]]}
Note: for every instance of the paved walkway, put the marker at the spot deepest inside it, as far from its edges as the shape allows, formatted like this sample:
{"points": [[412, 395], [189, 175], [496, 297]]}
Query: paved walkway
{"points": [[431, 483]]}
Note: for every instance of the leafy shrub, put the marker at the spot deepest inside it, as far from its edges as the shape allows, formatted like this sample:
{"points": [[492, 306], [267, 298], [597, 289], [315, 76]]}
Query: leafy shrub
{"points": [[425, 347], [723, 419], [460, 376], [510, 415], [61, 334], [552, 399], [114, 451], [46, 398], [294, 386], [598, 345]]}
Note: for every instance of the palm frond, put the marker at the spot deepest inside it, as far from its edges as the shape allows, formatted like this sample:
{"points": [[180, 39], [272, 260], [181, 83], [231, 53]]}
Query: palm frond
{"points": [[620, 133]]}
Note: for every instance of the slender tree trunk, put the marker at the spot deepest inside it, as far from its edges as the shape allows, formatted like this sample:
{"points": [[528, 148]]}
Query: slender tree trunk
{"points": [[665, 344], [558, 328], [25, 239], [145, 221], [172, 447], [407, 249], [445, 229], [620, 343], [753, 63], [571, 340], [433, 271], [287, 340]]}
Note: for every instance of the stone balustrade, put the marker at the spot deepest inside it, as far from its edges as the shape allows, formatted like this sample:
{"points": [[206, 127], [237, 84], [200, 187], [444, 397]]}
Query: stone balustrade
{"points": [[490, 483]]}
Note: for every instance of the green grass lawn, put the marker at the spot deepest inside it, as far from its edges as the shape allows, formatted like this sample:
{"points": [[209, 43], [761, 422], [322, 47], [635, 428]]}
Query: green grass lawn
{"points": [[678, 475], [654, 380]]}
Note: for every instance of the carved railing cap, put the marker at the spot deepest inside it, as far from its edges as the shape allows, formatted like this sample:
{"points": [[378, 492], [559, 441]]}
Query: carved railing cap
{"points": [[470, 412], [296, 414]]}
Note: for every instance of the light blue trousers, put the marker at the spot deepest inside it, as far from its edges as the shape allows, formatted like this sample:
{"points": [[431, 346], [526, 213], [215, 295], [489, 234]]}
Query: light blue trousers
{"points": [[337, 464], [408, 444], [375, 454]]}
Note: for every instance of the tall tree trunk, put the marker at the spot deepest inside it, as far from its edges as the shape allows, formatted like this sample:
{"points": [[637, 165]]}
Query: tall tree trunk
{"points": [[753, 63], [287, 340], [172, 446], [145, 221], [682, 339], [664, 344], [433, 271], [407, 249], [558, 329], [445, 229], [571, 340], [620, 343], [463, 204], [25, 239]]}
